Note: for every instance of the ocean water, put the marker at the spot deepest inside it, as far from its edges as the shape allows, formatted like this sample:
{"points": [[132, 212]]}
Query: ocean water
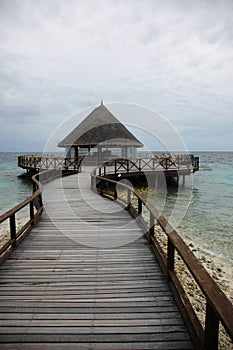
{"points": [[14, 188], [208, 220]]}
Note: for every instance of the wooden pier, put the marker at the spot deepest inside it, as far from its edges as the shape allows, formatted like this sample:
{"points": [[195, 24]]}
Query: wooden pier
{"points": [[171, 167], [58, 293], [87, 278]]}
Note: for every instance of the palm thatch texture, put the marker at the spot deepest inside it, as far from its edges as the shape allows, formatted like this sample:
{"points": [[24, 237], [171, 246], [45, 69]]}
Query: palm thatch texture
{"points": [[100, 128]]}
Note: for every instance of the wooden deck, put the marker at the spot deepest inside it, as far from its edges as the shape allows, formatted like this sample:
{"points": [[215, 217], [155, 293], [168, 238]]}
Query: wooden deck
{"points": [[85, 278]]}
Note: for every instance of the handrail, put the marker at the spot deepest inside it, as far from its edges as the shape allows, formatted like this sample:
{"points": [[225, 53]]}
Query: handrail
{"points": [[35, 209], [158, 162], [218, 306], [49, 162], [185, 163]]}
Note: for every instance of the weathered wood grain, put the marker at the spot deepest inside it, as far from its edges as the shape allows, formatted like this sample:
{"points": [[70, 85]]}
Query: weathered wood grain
{"points": [[85, 278]]}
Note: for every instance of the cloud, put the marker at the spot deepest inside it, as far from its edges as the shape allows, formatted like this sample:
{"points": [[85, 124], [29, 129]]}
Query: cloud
{"points": [[57, 57]]}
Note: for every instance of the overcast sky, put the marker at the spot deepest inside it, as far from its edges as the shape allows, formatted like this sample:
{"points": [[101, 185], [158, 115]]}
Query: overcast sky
{"points": [[59, 57]]}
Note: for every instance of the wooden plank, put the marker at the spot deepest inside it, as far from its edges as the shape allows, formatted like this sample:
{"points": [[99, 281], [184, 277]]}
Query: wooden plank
{"points": [[124, 315], [101, 346], [62, 293], [128, 338]]}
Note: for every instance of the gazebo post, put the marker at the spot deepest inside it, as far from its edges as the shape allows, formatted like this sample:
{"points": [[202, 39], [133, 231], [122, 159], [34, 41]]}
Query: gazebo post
{"points": [[100, 127], [99, 148], [76, 148], [124, 151]]}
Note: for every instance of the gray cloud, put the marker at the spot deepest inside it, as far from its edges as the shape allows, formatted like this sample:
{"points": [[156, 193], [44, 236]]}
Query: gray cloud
{"points": [[57, 57]]}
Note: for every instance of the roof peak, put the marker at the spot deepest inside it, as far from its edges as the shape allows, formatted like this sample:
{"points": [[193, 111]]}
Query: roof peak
{"points": [[99, 126]]}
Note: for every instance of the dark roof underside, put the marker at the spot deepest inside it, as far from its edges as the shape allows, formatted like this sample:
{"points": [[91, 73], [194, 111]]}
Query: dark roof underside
{"points": [[100, 127]]}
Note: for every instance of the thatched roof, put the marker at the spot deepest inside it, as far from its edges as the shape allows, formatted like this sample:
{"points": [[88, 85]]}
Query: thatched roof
{"points": [[100, 127]]}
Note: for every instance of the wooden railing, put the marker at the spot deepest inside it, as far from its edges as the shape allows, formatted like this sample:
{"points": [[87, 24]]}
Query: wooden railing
{"points": [[182, 162], [43, 162], [156, 163], [35, 207], [218, 307]]}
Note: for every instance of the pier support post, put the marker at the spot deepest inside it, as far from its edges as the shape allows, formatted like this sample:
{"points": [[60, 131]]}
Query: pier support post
{"points": [[183, 182]]}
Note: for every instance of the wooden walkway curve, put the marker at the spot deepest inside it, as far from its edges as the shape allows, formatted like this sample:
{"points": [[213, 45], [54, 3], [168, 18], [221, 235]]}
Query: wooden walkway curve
{"points": [[85, 278]]}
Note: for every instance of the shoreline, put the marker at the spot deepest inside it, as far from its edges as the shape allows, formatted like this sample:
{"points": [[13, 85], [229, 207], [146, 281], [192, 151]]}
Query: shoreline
{"points": [[219, 269], [21, 219]]}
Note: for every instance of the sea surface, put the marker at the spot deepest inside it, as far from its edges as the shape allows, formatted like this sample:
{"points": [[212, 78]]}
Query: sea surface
{"points": [[207, 214], [14, 187]]}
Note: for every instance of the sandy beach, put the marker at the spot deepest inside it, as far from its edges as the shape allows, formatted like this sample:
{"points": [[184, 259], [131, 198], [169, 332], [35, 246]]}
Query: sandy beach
{"points": [[222, 275], [21, 219], [217, 269]]}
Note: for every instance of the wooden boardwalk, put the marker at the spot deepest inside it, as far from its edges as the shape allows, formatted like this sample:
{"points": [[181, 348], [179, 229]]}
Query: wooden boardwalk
{"points": [[85, 278]]}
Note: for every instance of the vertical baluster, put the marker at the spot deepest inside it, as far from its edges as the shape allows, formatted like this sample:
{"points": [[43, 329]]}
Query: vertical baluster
{"points": [[170, 257], [211, 329], [115, 193], [32, 213], [152, 226], [139, 206], [115, 166], [13, 229], [128, 197]]}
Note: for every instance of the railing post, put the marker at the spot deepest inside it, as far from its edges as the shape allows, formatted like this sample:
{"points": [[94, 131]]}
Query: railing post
{"points": [[13, 229], [40, 200], [34, 187], [211, 329], [115, 193], [170, 257], [127, 165], [139, 206], [128, 198], [152, 226], [115, 166], [32, 213]]}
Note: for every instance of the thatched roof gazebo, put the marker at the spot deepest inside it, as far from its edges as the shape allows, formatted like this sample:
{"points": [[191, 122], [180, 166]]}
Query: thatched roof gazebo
{"points": [[101, 135]]}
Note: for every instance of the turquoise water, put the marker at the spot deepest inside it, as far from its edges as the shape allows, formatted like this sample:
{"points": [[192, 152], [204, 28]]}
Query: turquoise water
{"points": [[208, 220], [13, 187]]}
